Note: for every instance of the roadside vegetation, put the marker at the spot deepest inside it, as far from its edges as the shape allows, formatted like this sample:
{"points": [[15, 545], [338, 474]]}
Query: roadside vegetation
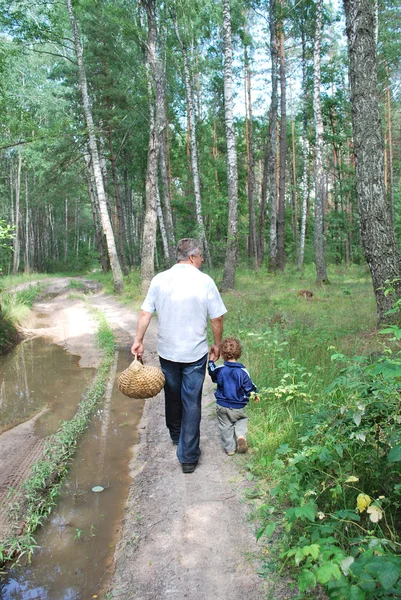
{"points": [[325, 438], [32, 504]]}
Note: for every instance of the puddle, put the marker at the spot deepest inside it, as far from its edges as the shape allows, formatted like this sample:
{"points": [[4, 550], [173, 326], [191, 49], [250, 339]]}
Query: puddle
{"points": [[38, 375], [77, 542]]}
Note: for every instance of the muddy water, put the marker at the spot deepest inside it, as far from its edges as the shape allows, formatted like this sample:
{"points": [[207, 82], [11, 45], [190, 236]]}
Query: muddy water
{"points": [[38, 375], [77, 542]]}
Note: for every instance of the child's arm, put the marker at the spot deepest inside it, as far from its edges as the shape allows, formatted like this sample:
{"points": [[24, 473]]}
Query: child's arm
{"points": [[211, 367]]}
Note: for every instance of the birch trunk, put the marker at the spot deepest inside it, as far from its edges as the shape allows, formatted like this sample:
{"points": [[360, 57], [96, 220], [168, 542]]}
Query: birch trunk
{"points": [[377, 235], [95, 213], [253, 254], [163, 165], [27, 268], [16, 242], [100, 191], [150, 222], [192, 144], [305, 153], [232, 172], [283, 149], [320, 187]]}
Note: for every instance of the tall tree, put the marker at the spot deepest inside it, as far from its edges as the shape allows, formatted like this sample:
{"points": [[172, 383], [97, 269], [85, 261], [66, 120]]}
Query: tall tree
{"points": [[232, 170], [377, 234], [152, 187], [320, 179], [283, 145], [93, 148], [192, 141]]}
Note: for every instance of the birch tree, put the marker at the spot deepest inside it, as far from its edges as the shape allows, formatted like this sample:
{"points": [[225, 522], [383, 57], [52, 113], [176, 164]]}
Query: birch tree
{"points": [[232, 171], [93, 148], [320, 184], [377, 234], [152, 191], [192, 141]]}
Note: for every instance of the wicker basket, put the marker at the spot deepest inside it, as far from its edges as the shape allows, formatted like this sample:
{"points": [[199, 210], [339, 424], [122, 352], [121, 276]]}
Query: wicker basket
{"points": [[140, 381]]}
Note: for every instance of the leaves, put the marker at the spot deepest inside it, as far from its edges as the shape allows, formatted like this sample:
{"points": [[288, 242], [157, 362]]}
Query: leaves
{"points": [[375, 513], [395, 454], [362, 502]]}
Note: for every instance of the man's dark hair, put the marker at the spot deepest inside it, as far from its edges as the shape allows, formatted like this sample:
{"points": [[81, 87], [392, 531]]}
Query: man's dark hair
{"points": [[231, 348], [187, 247]]}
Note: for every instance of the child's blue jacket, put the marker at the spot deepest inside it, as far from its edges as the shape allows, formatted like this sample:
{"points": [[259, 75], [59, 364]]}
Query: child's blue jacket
{"points": [[233, 384]]}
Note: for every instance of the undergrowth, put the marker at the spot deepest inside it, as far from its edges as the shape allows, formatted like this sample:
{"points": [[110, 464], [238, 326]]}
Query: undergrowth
{"points": [[326, 443], [30, 506]]}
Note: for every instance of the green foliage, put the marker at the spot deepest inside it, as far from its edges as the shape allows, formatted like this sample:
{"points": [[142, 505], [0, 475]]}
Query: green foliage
{"points": [[335, 465]]}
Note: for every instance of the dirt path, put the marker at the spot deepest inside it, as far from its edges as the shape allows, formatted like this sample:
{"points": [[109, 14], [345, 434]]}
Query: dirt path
{"points": [[184, 536]]}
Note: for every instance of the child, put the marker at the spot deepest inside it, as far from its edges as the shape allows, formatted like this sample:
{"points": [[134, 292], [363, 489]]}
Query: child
{"points": [[232, 395]]}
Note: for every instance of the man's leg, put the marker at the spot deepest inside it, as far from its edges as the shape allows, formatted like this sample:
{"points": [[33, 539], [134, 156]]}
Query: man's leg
{"points": [[172, 396], [193, 376]]}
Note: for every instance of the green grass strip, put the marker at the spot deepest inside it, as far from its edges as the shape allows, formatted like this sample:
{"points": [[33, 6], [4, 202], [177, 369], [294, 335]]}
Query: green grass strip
{"points": [[40, 490]]}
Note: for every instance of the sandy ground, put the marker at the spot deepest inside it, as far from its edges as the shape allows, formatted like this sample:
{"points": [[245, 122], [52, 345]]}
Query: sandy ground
{"points": [[184, 536]]}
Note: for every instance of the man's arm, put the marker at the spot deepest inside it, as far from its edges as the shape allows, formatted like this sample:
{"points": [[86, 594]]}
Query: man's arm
{"points": [[217, 329], [141, 327]]}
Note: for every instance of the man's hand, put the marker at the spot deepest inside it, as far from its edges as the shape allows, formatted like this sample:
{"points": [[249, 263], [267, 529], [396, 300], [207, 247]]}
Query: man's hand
{"points": [[214, 352], [217, 330], [137, 348], [142, 325]]}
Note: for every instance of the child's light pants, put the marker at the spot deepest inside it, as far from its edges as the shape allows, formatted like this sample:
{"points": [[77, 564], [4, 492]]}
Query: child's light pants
{"points": [[233, 423]]}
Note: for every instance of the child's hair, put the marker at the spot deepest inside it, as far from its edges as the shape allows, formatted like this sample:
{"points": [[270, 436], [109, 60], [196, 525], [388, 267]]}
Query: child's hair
{"points": [[231, 348]]}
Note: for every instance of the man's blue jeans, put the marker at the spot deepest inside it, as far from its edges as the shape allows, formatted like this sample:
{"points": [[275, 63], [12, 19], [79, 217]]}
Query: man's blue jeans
{"points": [[183, 397]]}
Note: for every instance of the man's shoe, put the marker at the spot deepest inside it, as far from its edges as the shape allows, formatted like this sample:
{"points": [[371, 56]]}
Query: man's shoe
{"points": [[242, 445], [188, 467]]}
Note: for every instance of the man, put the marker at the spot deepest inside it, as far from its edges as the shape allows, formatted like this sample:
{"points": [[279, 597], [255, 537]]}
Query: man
{"points": [[183, 298]]}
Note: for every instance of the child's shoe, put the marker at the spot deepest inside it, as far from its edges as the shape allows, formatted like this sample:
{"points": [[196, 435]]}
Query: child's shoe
{"points": [[242, 445], [230, 453]]}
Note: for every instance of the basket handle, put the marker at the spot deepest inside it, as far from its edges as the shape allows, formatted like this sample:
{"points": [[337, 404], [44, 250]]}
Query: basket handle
{"points": [[137, 360]]}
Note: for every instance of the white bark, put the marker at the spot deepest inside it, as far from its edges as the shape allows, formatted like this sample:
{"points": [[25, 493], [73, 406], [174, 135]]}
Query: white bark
{"points": [[93, 148], [305, 152], [232, 171], [27, 268], [16, 242], [320, 183], [192, 142], [150, 222]]}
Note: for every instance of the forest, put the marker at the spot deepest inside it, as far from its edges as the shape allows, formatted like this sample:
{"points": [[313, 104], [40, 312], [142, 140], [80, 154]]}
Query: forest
{"points": [[270, 130], [128, 125]]}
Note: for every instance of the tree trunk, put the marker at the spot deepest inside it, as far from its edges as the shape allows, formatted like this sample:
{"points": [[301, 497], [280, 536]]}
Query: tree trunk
{"points": [[283, 148], [27, 268], [252, 251], [232, 172], [120, 223], [16, 242], [377, 235], [320, 188], [294, 177], [390, 151], [95, 214], [163, 165], [273, 140], [101, 194], [192, 143], [150, 223]]}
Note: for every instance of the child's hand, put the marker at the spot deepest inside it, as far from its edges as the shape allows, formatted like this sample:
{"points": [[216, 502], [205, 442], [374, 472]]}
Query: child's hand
{"points": [[256, 398]]}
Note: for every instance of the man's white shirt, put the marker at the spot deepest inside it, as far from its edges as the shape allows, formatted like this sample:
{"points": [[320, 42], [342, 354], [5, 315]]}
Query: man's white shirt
{"points": [[183, 298]]}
